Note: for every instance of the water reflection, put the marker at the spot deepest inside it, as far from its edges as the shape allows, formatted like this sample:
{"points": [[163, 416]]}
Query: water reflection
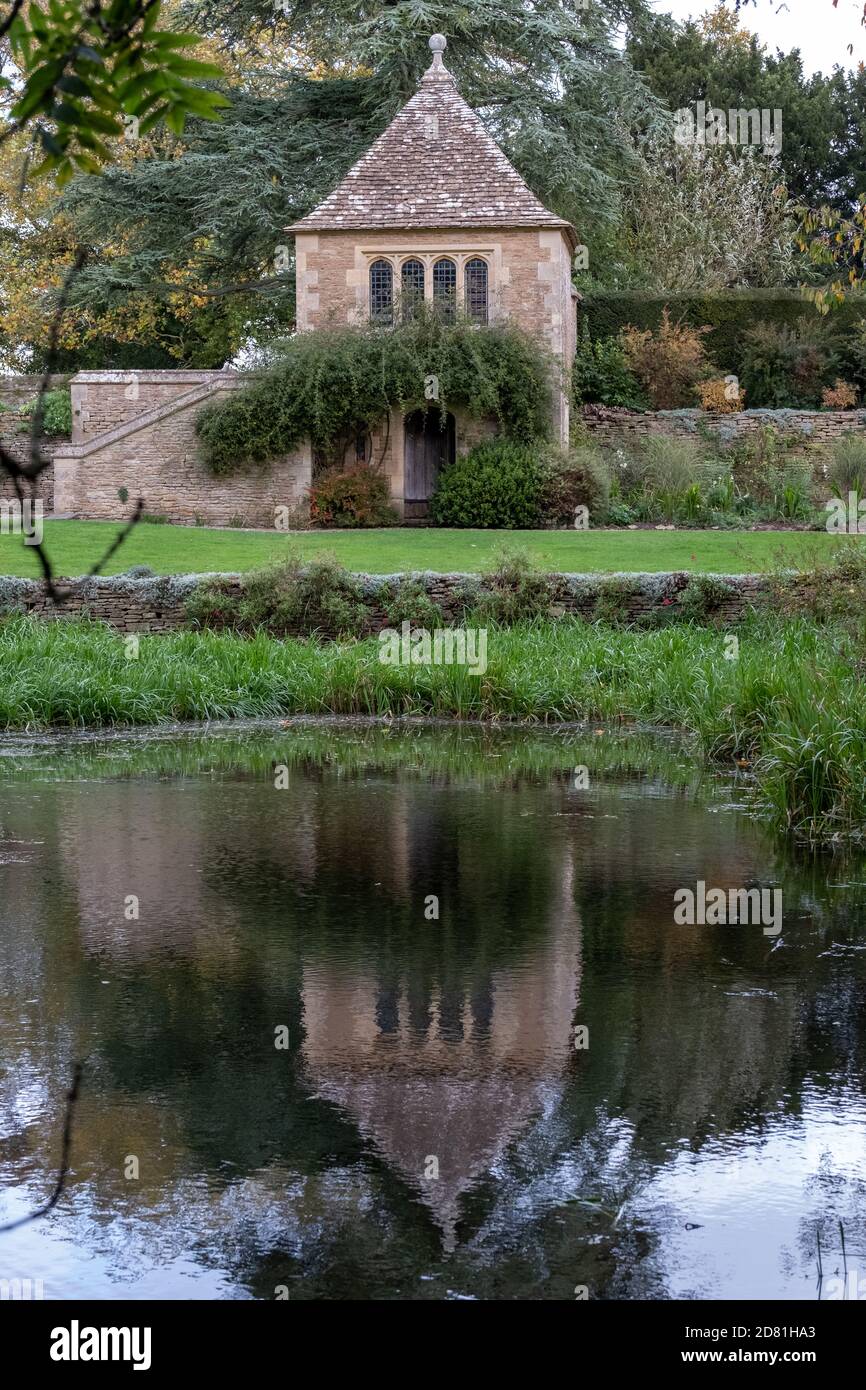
{"points": [[431, 1130]]}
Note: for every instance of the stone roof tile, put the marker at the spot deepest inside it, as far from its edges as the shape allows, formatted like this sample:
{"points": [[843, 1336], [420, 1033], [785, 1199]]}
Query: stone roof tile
{"points": [[434, 166]]}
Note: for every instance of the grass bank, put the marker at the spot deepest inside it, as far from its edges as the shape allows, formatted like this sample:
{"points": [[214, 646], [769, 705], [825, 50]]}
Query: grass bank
{"points": [[75, 545], [790, 708]]}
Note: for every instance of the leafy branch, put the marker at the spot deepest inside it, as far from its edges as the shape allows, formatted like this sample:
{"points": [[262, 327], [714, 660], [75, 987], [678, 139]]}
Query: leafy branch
{"points": [[834, 241], [89, 69]]}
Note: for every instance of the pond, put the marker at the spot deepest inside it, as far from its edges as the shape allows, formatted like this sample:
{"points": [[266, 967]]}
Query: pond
{"points": [[401, 1013]]}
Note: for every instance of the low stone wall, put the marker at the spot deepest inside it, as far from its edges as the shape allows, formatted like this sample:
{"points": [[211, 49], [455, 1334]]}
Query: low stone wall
{"points": [[147, 605], [616, 427]]}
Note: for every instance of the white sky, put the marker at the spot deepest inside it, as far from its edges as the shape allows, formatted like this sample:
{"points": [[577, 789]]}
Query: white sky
{"points": [[821, 32]]}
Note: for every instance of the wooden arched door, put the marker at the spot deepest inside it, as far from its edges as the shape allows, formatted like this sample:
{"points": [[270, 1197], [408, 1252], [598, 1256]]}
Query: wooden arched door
{"points": [[429, 443]]}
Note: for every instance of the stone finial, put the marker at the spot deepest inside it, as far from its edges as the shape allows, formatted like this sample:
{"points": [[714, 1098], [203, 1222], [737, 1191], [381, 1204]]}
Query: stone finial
{"points": [[438, 44]]}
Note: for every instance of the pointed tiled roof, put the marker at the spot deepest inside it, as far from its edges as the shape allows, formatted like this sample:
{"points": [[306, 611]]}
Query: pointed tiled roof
{"points": [[434, 166]]}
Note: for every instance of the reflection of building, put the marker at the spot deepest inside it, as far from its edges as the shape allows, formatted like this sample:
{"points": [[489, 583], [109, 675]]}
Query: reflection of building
{"points": [[441, 1071]]}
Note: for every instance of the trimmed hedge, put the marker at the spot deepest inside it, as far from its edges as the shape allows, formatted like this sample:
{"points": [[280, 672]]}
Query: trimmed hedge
{"points": [[728, 316]]}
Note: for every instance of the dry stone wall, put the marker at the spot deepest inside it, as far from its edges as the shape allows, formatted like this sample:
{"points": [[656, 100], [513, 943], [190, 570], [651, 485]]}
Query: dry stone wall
{"points": [[614, 427], [158, 605], [18, 445]]}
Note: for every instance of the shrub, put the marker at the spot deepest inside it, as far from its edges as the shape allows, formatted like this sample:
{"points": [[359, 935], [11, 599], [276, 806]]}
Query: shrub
{"points": [[831, 592], [601, 374], [787, 366], [578, 477], [721, 396], [339, 382], [497, 485], [669, 362], [514, 591], [854, 353], [405, 600], [612, 600], [702, 598], [56, 411], [285, 599], [842, 396], [357, 496], [730, 314]]}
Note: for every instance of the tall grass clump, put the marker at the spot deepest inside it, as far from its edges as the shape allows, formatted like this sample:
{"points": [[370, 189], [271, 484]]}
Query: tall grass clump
{"points": [[846, 466]]}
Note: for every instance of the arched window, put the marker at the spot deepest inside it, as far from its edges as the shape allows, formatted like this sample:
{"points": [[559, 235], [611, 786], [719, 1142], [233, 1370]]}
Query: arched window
{"points": [[445, 288], [475, 289], [412, 287], [381, 292]]}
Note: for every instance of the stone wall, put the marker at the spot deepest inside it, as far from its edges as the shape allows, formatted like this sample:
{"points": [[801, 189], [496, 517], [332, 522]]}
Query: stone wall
{"points": [[150, 605], [18, 445], [103, 400], [136, 431], [16, 391], [617, 428]]}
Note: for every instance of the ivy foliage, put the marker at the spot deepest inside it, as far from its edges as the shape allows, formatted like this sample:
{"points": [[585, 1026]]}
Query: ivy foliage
{"points": [[333, 384]]}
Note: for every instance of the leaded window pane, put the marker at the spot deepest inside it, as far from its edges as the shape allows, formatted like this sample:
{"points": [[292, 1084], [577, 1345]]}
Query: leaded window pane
{"points": [[475, 290], [445, 287], [381, 292], [412, 279]]}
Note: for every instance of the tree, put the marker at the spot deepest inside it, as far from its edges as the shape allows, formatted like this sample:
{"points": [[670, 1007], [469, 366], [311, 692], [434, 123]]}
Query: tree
{"points": [[83, 69], [718, 61], [194, 226], [75, 71], [701, 218]]}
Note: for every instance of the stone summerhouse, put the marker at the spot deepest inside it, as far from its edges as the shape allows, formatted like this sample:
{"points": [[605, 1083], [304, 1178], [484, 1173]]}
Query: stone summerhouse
{"points": [[435, 211]]}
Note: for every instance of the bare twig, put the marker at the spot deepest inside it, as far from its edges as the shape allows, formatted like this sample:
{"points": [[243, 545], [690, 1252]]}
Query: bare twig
{"points": [[71, 1102], [119, 538]]}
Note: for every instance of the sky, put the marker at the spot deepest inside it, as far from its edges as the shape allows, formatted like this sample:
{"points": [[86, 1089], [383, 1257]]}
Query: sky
{"points": [[821, 32]]}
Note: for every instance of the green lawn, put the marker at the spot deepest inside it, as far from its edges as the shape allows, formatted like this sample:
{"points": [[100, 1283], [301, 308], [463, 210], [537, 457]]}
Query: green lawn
{"points": [[75, 545]]}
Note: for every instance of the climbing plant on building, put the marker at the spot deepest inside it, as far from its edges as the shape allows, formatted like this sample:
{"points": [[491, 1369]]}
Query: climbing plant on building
{"points": [[332, 384]]}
